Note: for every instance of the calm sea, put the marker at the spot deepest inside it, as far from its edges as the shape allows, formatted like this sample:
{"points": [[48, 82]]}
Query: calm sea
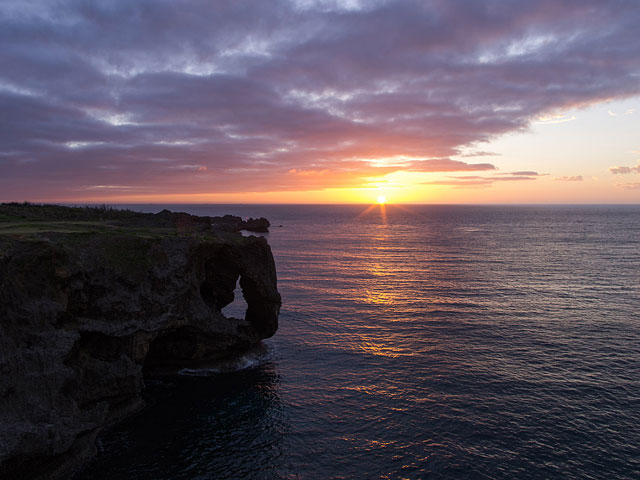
{"points": [[418, 342]]}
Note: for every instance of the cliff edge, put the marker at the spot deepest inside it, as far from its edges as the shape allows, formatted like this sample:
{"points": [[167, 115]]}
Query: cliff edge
{"points": [[92, 301]]}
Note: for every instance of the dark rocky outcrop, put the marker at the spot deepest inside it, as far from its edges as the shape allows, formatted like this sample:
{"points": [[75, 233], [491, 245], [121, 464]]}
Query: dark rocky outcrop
{"points": [[229, 223], [257, 225], [83, 317]]}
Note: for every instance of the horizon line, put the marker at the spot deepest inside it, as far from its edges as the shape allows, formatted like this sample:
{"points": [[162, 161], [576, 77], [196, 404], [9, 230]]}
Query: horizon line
{"points": [[80, 203]]}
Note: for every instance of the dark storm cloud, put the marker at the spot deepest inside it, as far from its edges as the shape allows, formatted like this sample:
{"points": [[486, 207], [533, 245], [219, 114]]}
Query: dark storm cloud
{"points": [[200, 96]]}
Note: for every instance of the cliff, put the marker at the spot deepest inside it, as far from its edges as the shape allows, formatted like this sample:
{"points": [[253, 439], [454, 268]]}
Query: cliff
{"points": [[89, 305]]}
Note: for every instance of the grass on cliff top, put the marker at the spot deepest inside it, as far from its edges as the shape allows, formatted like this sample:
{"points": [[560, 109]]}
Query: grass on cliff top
{"points": [[32, 212], [27, 218], [28, 227], [63, 227]]}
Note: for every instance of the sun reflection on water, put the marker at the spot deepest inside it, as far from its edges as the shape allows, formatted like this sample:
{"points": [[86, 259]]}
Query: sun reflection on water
{"points": [[382, 209]]}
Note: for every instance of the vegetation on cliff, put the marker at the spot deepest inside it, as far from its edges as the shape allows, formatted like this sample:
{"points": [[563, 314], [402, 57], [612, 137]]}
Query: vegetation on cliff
{"points": [[17, 218]]}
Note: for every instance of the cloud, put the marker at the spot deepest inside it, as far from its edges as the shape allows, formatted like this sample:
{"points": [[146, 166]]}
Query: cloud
{"points": [[476, 181], [227, 96], [480, 154], [624, 170], [553, 119], [446, 165], [629, 186], [575, 178]]}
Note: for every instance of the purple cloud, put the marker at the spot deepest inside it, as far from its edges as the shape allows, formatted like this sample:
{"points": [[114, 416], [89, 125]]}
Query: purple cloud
{"points": [[232, 96], [629, 186], [575, 178], [624, 170], [476, 181]]}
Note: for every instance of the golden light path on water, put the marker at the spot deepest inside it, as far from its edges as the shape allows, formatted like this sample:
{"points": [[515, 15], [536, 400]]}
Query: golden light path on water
{"points": [[380, 266], [382, 205]]}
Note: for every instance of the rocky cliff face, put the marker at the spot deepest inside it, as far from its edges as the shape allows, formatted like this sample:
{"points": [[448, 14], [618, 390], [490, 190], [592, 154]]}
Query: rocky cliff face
{"points": [[84, 315]]}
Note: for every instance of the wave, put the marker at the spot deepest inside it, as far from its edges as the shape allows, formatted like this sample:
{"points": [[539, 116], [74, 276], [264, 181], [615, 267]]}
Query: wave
{"points": [[252, 358]]}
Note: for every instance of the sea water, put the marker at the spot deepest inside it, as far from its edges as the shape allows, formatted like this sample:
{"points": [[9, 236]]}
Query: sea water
{"points": [[416, 342]]}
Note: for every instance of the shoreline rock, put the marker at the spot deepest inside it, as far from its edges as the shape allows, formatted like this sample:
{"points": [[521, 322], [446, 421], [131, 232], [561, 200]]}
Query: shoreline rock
{"points": [[85, 316]]}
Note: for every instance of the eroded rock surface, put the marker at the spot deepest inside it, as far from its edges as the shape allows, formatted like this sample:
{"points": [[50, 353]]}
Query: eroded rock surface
{"points": [[84, 315]]}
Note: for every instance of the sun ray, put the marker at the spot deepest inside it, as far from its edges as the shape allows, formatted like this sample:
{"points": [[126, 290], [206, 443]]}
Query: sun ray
{"points": [[383, 212], [367, 210]]}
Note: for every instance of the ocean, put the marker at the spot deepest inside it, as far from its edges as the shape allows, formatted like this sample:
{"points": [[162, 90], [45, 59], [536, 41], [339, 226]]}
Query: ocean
{"points": [[452, 342]]}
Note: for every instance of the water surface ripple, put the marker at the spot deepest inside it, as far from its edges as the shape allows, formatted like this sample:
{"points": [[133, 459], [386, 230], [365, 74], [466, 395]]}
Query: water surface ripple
{"points": [[444, 342]]}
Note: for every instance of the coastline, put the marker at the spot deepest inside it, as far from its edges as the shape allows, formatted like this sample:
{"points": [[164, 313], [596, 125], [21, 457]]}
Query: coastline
{"points": [[92, 300]]}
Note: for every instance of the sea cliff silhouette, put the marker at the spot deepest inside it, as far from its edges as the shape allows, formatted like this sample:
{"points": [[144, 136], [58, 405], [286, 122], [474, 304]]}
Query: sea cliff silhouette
{"points": [[93, 299]]}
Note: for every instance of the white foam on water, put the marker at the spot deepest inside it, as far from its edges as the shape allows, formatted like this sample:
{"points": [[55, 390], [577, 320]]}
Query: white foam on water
{"points": [[253, 358]]}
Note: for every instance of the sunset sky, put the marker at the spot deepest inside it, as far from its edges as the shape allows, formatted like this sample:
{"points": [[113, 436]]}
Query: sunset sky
{"points": [[319, 101]]}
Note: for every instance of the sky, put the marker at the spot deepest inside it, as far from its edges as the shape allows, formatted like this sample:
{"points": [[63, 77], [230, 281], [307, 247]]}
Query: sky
{"points": [[320, 101]]}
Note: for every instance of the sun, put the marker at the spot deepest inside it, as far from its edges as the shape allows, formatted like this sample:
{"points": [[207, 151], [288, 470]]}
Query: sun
{"points": [[382, 199]]}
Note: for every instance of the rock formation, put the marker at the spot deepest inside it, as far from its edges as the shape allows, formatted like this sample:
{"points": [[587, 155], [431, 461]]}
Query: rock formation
{"points": [[84, 315]]}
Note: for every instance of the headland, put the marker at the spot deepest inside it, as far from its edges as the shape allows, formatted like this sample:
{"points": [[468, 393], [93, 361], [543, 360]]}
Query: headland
{"points": [[93, 299]]}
